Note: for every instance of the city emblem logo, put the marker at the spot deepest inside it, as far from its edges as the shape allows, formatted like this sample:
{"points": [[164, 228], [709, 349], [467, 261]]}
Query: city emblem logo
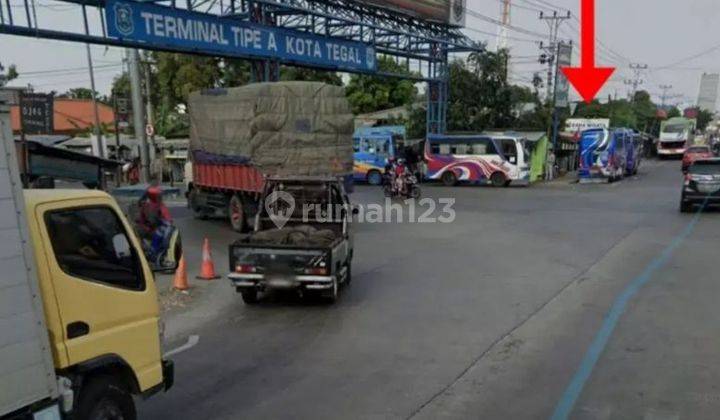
{"points": [[124, 19], [370, 59], [280, 206], [459, 10]]}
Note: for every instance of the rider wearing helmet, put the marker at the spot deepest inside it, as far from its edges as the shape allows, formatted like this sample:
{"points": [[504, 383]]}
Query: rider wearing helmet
{"points": [[153, 212], [401, 171]]}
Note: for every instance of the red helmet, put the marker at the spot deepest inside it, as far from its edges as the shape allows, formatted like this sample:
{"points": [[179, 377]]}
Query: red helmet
{"points": [[154, 193]]}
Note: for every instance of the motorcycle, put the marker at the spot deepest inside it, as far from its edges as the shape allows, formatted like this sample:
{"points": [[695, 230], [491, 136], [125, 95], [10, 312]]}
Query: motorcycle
{"points": [[163, 248], [410, 188]]}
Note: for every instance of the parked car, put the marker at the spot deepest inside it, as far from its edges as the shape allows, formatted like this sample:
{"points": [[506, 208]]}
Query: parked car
{"points": [[694, 153], [702, 184]]}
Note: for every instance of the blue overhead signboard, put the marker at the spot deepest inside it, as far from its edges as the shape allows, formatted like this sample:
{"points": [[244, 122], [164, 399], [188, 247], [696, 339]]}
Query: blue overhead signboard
{"points": [[160, 26]]}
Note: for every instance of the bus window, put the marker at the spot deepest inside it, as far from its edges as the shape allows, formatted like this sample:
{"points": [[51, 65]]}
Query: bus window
{"points": [[444, 149], [435, 148], [459, 149], [482, 147], [380, 147], [509, 149]]}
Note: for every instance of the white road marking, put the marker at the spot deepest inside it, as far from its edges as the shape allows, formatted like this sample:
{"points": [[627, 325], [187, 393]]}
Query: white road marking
{"points": [[191, 342]]}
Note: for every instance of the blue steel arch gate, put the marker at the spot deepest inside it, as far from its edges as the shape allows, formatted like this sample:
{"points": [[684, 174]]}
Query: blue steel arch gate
{"points": [[342, 28]]}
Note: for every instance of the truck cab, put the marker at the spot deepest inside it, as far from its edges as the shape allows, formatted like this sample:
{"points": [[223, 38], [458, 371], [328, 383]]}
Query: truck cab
{"points": [[99, 301]]}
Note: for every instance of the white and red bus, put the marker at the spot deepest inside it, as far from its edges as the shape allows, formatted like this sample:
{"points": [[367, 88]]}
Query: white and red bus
{"points": [[480, 159]]}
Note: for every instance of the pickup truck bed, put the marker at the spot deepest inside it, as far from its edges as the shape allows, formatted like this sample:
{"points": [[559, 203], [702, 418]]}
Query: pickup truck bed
{"points": [[301, 258]]}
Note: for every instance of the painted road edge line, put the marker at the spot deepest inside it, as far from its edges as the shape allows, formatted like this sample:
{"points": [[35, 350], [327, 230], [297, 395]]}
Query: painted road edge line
{"points": [[572, 392], [191, 342]]}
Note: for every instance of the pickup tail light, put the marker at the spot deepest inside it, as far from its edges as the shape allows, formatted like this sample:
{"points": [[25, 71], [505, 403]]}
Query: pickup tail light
{"points": [[245, 268], [316, 271]]}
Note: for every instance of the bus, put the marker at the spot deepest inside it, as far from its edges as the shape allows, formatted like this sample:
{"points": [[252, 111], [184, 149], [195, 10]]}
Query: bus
{"points": [[500, 160], [603, 154], [676, 135], [634, 146], [373, 147]]}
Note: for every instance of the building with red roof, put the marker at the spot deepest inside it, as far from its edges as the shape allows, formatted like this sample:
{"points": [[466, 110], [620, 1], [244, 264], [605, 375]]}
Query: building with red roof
{"points": [[72, 116]]}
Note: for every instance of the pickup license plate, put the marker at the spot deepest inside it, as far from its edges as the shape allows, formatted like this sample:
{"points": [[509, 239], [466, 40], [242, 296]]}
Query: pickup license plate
{"points": [[708, 188], [280, 282]]}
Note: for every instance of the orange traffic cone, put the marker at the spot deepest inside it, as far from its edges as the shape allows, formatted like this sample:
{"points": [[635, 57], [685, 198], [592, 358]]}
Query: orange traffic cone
{"points": [[180, 282], [207, 269]]}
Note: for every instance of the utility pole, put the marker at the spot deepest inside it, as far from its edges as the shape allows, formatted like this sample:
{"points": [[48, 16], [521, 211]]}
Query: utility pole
{"points": [[549, 54], [100, 152], [148, 98], [502, 40], [637, 80], [664, 97], [137, 105]]}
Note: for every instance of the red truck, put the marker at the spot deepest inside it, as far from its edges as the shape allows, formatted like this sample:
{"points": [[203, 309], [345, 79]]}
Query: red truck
{"points": [[239, 136], [228, 190]]}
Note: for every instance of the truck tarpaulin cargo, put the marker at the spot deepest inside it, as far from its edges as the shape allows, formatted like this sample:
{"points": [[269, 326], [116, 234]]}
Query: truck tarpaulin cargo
{"points": [[284, 129], [241, 135]]}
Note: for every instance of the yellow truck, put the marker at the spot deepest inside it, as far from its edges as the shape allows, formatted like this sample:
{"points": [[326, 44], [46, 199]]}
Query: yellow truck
{"points": [[80, 329]]}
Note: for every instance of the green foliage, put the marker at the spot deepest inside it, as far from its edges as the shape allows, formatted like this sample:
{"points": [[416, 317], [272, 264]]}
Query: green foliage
{"points": [[79, 93], [640, 113], [374, 93], [674, 113], [11, 74], [178, 75], [704, 118], [481, 97], [309, 75], [120, 87]]}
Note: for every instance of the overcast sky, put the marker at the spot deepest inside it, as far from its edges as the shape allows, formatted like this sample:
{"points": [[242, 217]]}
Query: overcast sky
{"points": [[653, 32]]}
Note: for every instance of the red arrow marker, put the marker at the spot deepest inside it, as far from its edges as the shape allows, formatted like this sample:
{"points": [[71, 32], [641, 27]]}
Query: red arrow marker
{"points": [[588, 79]]}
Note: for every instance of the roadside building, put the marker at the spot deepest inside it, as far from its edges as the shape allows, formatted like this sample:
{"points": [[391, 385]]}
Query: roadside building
{"points": [[72, 116]]}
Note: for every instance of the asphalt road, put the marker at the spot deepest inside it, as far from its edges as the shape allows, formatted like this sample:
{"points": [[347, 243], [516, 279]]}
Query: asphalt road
{"points": [[488, 317]]}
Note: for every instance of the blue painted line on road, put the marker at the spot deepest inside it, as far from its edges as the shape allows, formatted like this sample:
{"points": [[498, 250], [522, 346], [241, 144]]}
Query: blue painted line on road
{"points": [[572, 392]]}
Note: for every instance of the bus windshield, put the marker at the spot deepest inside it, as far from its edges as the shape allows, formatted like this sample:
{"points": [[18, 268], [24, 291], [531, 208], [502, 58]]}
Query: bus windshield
{"points": [[599, 141], [675, 128]]}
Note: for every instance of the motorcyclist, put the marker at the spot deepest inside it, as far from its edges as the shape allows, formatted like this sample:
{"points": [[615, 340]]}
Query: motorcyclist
{"points": [[153, 213], [400, 171]]}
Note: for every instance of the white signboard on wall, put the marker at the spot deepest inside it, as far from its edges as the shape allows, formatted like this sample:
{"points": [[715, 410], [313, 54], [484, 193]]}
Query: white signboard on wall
{"points": [[576, 125]]}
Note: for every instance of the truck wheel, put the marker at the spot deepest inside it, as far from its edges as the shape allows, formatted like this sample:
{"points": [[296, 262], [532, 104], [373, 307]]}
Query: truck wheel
{"points": [[103, 398], [348, 273], [374, 178], [236, 213], [449, 179], [685, 207], [198, 213], [498, 179], [249, 296], [332, 296]]}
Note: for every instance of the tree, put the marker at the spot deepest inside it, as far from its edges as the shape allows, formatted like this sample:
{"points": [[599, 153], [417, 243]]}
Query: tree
{"points": [[79, 93], [309, 75], [704, 118], [9, 75], [375, 93]]}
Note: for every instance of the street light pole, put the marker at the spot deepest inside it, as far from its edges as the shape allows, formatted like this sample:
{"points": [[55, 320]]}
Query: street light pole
{"points": [[100, 152]]}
